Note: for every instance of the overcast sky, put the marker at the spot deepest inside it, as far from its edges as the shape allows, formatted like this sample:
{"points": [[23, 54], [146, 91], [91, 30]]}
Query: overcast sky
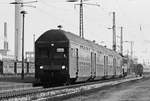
{"points": [[131, 14]]}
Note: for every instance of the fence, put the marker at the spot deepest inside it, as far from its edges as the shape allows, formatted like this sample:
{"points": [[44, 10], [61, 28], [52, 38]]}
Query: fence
{"points": [[15, 67]]}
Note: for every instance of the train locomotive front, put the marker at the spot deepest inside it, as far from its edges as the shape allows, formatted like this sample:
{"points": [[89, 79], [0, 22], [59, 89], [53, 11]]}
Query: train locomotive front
{"points": [[51, 57]]}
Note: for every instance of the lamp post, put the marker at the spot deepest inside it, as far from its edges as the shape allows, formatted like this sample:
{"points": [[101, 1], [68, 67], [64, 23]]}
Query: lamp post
{"points": [[23, 15]]}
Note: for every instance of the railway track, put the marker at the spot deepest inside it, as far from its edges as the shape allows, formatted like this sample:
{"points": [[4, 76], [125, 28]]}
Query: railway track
{"points": [[40, 94]]}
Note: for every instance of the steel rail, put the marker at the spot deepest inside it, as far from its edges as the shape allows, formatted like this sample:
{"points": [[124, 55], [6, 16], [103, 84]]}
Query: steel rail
{"points": [[39, 91]]}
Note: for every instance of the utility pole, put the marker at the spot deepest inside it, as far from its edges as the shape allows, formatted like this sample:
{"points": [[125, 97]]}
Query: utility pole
{"points": [[81, 23], [121, 41], [81, 33], [81, 20], [114, 33]]}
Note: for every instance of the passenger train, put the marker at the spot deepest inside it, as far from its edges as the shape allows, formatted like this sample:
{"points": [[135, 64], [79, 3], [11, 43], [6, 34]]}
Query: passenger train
{"points": [[62, 57]]}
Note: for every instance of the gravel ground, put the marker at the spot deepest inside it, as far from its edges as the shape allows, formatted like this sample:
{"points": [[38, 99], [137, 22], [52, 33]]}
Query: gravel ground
{"points": [[132, 91], [17, 78]]}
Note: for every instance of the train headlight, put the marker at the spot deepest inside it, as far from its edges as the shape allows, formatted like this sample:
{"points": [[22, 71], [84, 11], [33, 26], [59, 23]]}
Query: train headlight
{"points": [[63, 67], [52, 44], [41, 67]]}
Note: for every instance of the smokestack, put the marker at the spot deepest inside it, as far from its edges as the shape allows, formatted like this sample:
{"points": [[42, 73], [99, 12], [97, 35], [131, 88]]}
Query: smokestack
{"points": [[18, 30], [5, 37]]}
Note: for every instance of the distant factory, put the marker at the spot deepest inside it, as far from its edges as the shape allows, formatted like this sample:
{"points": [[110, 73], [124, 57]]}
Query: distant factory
{"points": [[4, 51], [17, 56]]}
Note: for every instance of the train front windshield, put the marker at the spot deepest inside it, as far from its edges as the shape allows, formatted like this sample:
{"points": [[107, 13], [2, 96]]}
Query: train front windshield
{"points": [[53, 53]]}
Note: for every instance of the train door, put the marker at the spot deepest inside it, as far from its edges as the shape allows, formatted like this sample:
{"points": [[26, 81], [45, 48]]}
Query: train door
{"points": [[1, 67], [105, 65], [93, 65], [74, 67], [77, 61], [114, 66]]}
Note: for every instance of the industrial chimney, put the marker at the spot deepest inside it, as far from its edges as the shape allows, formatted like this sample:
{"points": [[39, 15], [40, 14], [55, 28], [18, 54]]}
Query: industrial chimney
{"points": [[18, 30], [5, 37]]}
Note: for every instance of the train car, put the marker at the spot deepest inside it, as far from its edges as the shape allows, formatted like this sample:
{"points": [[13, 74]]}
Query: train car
{"points": [[138, 69], [63, 57]]}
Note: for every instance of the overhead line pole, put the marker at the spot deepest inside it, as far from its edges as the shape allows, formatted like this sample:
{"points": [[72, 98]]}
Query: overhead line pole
{"points": [[114, 33], [81, 23], [81, 20]]}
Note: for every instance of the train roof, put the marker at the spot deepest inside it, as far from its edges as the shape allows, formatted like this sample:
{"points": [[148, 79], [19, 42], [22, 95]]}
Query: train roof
{"points": [[61, 35], [52, 35]]}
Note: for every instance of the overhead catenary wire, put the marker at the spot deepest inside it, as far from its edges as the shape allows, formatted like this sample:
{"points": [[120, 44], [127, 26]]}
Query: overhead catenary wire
{"points": [[49, 14], [53, 5], [58, 17]]}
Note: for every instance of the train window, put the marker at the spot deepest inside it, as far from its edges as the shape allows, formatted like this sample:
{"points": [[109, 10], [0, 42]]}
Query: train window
{"points": [[60, 50], [60, 53]]}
